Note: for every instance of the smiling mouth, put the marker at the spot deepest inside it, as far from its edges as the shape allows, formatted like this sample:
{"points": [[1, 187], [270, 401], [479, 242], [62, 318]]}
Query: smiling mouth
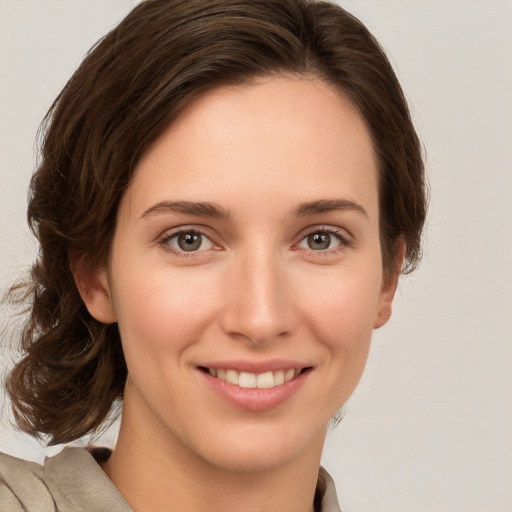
{"points": [[249, 380]]}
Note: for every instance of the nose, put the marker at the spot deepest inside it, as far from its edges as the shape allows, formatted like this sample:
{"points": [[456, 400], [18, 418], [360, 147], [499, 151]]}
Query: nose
{"points": [[257, 300]]}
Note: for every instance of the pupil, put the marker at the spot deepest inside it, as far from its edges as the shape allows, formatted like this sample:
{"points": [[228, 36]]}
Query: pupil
{"points": [[189, 241], [319, 241]]}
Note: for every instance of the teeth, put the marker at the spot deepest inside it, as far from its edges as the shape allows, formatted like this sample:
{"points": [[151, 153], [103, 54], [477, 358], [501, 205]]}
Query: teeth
{"points": [[289, 375], [247, 380], [265, 380], [279, 377], [251, 380], [232, 377]]}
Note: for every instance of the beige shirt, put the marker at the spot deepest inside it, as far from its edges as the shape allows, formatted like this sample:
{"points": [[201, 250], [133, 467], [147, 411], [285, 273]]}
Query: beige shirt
{"points": [[73, 481]]}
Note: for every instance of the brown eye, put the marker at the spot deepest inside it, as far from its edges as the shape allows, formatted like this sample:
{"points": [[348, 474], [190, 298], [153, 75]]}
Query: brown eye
{"points": [[319, 241], [324, 240], [188, 241]]}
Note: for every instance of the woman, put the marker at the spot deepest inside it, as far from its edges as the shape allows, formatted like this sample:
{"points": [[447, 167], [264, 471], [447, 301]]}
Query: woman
{"points": [[228, 193]]}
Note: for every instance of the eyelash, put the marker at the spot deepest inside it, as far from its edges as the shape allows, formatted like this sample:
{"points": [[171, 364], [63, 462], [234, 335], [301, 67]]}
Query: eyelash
{"points": [[168, 236], [345, 241]]}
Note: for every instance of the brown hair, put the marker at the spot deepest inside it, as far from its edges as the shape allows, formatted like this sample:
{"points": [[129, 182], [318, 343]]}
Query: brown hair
{"points": [[127, 90]]}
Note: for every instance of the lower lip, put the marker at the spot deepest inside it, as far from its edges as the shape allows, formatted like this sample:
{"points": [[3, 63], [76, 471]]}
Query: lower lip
{"points": [[256, 399]]}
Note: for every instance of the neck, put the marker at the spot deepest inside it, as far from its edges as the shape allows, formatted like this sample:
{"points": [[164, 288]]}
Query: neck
{"points": [[154, 470]]}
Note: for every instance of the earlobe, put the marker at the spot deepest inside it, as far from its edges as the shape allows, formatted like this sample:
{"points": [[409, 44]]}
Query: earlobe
{"points": [[388, 289], [94, 288], [385, 308]]}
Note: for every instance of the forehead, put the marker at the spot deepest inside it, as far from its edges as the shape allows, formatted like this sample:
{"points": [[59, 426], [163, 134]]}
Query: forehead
{"points": [[287, 140]]}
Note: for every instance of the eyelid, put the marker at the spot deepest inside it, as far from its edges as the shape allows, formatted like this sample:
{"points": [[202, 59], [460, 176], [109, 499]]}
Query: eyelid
{"points": [[193, 228], [343, 235], [345, 238]]}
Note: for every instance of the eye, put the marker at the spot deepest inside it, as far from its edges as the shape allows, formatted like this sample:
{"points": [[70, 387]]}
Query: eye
{"points": [[322, 240], [188, 241]]}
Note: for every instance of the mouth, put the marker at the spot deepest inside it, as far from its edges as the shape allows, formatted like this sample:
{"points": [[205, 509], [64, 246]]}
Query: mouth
{"points": [[255, 386], [248, 380]]}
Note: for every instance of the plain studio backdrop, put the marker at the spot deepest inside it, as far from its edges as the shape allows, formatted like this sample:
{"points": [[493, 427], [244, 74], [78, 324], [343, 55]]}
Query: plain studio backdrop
{"points": [[429, 427]]}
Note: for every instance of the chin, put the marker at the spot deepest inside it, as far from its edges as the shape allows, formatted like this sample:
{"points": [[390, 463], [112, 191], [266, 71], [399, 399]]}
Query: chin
{"points": [[261, 449]]}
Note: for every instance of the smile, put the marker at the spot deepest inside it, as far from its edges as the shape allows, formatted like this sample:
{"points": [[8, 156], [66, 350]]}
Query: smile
{"points": [[249, 380], [255, 386]]}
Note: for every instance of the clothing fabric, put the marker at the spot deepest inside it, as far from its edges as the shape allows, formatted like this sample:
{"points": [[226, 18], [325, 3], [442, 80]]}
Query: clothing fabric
{"points": [[73, 481]]}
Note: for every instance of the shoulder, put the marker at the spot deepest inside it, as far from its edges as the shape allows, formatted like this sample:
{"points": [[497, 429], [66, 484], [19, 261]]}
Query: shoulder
{"points": [[326, 493], [22, 486], [71, 481]]}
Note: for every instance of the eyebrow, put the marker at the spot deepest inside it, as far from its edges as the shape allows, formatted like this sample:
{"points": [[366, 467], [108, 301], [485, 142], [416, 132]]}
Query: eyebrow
{"points": [[328, 205], [206, 209], [202, 209]]}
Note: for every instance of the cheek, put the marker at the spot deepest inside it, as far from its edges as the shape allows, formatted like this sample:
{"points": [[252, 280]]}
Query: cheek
{"points": [[162, 310], [341, 307], [340, 318]]}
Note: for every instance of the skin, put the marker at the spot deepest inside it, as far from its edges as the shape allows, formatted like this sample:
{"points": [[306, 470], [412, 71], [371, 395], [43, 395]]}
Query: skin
{"points": [[255, 290]]}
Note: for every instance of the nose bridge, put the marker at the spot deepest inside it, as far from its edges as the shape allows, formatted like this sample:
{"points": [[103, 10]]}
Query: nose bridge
{"points": [[257, 302]]}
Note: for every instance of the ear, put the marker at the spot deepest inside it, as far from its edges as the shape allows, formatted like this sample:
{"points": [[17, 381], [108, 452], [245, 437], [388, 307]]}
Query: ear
{"points": [[388, 289], [94, 288]]}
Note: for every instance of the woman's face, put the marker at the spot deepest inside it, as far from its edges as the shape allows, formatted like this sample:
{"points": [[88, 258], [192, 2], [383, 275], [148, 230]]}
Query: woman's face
{"points": [[248, 245]]}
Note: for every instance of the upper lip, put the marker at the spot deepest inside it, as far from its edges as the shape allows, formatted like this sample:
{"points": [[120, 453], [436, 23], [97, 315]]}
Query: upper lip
{"points": [[256, 366]]}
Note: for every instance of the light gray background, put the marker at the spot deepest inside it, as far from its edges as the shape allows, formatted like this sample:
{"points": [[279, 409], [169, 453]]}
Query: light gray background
{"points": [[430, 426]]}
